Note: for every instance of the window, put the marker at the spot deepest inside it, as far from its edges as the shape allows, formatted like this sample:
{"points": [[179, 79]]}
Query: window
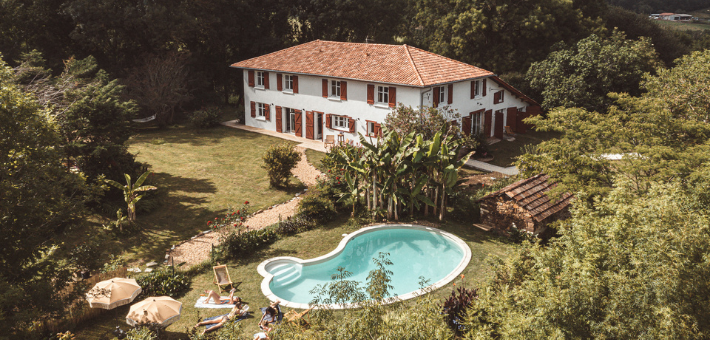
{"points": [[340, 122], [498, 97], [289, 82], [335, 88], [441, 93], [383, 94], [476, 90], [477, 123], [260, 78], [260, 110], [371, 128]]}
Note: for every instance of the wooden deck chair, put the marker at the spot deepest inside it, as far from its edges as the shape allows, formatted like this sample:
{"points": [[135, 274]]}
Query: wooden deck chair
{"points": [[329, 139], [297, 318], [221, 277], [509, 131]]}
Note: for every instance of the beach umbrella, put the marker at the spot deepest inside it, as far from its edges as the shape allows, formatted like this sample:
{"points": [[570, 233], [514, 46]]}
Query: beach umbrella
{"points": [[112, 293], [160, 310]]}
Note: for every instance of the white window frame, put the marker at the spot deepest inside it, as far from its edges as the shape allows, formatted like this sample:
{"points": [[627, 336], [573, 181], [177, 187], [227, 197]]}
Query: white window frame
{"points": [[288, 82], [371, 129], [476, 123], [259, 78], [260, 110], [383, 94], [335, 88], [442, 94], [476, 88], [340, 122]]}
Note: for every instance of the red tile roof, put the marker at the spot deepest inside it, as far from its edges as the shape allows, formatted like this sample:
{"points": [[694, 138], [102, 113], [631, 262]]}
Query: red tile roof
{"points": [[531, 195], [392, 64]]}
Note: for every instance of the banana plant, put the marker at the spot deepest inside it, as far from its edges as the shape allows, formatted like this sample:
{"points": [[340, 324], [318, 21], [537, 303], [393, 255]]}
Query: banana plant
{"points": [[131, 190]]}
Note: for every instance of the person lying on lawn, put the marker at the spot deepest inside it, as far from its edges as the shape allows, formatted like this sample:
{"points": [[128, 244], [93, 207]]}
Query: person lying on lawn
{"points": [[270, 316], [231, 300], [237, 311]]}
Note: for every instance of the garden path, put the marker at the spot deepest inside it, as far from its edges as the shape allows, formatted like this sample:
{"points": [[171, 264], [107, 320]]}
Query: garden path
{"points": [[198, 248]]}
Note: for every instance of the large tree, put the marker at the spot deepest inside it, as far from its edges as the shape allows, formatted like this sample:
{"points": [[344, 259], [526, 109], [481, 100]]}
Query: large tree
{"points": [[630, 266], [581, 76], [661, 135], [40, 199], [502, 35]]}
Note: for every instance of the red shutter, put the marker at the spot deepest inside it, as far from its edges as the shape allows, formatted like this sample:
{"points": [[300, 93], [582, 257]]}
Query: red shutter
{"points": [[351, 124], [253, 109], [325, 88], [295, 84], [279, 82], [436, 97], [309, 124], [328, 121], [498, 130], [279, 115], [343, 90], [393, 96], [483, 91], [251, 78], [266, 80], [466, 125], [487, 122], [473, 89], [378, 129], [370, 94], [267, 111], [298, 123], [451, 93], [512, 118]]}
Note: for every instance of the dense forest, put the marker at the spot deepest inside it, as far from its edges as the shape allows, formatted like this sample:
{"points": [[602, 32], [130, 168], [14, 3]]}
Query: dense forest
{"points": [[74, 72]]}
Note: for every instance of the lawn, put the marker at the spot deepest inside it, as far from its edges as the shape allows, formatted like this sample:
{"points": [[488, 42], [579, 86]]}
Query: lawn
{"points": [[504, 152], [683, 26], [305, 245], [199, 174], [315, 157]]}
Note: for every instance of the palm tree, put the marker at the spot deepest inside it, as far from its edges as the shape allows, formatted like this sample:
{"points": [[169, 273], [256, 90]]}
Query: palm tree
{"points": [[130, 192]]}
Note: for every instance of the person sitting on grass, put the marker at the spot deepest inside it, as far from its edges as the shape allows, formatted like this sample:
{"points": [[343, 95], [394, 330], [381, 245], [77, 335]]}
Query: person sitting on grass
{"points": [[211, 294], [270, 316], [219, 321], [261, 336]]}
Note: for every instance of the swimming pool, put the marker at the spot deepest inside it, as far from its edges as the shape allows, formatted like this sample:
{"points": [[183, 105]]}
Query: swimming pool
{"points": [[414, 250]]}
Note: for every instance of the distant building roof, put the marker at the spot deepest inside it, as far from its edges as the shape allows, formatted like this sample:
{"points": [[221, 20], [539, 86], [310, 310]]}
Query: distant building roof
{"points": [[393, 64], [666, 14], [531, 195]]}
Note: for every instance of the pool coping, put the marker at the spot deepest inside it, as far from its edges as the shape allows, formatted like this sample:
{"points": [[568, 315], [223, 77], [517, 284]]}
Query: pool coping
{"points": [[266, 290]]}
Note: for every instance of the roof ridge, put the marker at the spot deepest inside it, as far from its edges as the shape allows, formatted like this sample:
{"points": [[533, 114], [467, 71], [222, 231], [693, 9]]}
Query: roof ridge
{"points": [[454, 60], [411, 61]]}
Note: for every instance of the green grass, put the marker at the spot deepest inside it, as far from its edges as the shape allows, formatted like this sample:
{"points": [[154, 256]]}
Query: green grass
{"points": [[504, 152], [305, 245], [683, 26], [314, 157], [199, 174]]}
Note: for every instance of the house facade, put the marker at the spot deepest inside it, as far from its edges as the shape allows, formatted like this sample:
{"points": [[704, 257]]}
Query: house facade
{"points": [[325, 88]]}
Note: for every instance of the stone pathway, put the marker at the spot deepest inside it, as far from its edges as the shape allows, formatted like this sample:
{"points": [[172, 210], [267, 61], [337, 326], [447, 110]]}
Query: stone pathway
{"points": [[510, 171], [198, 249]]}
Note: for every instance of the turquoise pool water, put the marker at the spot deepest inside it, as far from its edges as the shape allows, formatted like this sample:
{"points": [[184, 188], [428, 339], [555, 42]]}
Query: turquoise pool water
{"points": [[414, 252]]}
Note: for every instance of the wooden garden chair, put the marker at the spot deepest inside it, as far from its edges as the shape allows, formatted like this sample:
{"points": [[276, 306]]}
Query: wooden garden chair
{"points": [[509, 131], [329, 139], [221, 277], [297, 318]]}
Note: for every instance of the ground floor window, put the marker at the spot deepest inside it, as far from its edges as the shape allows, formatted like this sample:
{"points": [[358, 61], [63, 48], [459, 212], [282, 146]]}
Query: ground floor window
{"points": [[477, 123], [340, 122], [260, 110], [290, 119]]}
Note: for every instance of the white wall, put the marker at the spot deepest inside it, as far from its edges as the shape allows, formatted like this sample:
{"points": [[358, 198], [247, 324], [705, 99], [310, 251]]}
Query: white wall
{"points": [[310, 98]]}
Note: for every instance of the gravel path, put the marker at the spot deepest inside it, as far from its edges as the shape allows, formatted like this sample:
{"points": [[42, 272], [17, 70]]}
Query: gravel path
{"points": [[198, 249]]}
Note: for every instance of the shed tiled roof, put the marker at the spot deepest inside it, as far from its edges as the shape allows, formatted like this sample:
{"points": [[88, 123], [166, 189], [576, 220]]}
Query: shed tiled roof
{"points": [[530, 194], [392, 64]]}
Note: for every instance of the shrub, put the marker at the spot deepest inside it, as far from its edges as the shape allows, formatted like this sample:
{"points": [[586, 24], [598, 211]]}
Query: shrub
{"points": [[163, 282], [318, 206], [454, 307], [238, 243], [141, 333], [466, 207], [279, 160], [233, 218], [295, 224], [206, 117]]}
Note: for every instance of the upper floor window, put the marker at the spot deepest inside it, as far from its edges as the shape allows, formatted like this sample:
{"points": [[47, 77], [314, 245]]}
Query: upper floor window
{"points": [[335, 88], [475, 88], [260, 78], [288, 82], [499, 97], [340, 122], [383, 94], [260, 110], [442, 94]]}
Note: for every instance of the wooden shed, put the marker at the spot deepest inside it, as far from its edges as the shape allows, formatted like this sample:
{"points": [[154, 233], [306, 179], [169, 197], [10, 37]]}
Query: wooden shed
{"points": [[524, 205]]}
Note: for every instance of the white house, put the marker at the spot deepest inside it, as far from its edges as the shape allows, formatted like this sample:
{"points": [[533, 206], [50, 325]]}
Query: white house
{"points": [[334, 88]]}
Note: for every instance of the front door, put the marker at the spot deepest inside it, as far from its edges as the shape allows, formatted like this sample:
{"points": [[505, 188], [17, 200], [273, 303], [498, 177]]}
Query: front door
{"points": [[498, 127], [309, 124], [319, 126], [297, 130]]}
